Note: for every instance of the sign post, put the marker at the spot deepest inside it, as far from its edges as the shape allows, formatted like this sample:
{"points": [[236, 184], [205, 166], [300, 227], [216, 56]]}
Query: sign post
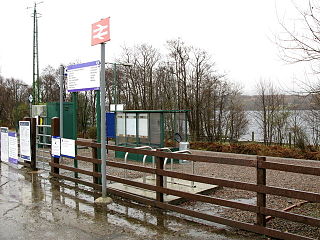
{"points": [[103, 120], [61, 99], [100, 35]]}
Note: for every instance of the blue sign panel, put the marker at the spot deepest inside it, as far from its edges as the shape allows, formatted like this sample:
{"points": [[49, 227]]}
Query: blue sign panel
{"points": [[110, 125]]}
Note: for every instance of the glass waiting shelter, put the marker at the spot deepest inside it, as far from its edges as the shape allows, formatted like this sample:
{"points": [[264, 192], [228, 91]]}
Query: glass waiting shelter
{"points": [[154, 128]]}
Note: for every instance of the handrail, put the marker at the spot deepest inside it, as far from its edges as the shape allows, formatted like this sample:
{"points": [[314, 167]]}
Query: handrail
{"points": [[144, 161], [238, 160], [127, 153], [171, 168], [48, 126], [165, 149]]}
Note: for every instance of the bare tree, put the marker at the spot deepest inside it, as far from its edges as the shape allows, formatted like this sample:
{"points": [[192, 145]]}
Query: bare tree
{"points": [[272, 115], [236, 120], [13, 101], [144, 59], [186, 79], [179, 54], [301, 42], [50, 84]]}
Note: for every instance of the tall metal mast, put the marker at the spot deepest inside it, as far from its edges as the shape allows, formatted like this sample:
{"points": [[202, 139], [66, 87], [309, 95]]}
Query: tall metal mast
{"points": [[36, 79]]}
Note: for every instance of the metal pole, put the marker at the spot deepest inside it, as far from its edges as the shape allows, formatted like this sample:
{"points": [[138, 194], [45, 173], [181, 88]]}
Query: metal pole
{"points": [[115, 85], [98, 137], [61, 99], [75, 126], [37, 59], [34, 91], [30, 108], [103, 121]]}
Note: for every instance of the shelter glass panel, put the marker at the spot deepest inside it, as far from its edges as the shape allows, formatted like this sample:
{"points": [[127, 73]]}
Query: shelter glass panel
{"points": [[131, 128], [121, 128], [181, 126], [143, 128], [169, 129], [155, 129]]}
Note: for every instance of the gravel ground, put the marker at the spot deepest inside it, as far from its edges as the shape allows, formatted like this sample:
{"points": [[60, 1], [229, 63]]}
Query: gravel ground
{"points": [[245, 174], [274, 178]]}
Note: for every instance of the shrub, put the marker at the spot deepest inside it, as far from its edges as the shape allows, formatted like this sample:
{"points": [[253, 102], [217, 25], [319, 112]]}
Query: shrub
{"points": [[92, 132], [308, 152]]}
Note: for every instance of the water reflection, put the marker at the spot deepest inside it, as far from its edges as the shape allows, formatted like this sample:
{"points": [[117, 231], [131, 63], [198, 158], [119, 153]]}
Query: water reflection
{"points": [[121, 213], [46, 201]]}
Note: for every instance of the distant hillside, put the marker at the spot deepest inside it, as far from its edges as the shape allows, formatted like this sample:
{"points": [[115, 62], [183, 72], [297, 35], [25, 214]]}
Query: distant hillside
{"points": [[291, 101]]}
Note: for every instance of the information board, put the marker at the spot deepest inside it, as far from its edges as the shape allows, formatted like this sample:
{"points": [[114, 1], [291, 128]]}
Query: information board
{"points": [[68, 148], [13, 147], [83, 76], [4, 144], [25, 140], [55, 146]]}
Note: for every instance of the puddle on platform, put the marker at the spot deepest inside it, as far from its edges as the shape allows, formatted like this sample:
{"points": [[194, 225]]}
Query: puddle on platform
{"points": [[251, 201], [50, 205]]}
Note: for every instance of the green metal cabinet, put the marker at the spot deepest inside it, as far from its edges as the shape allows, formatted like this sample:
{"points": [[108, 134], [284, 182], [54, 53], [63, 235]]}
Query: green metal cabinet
{"points": [[53, 110]]}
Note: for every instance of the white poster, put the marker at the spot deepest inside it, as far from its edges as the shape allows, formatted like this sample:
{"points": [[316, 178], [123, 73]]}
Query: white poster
{"points": [[143, 126], [121, 124], [68, 148], [25, 140], [4, 144], [131, 125], [55, 146], [13, 147]]}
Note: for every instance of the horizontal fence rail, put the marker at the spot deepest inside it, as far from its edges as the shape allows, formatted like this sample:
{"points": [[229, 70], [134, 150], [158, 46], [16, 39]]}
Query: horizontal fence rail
{"points": [[260, 187]]}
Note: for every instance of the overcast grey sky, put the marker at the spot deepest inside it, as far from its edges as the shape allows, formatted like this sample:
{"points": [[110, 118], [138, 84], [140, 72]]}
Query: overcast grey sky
{"points": [[238, 34]]}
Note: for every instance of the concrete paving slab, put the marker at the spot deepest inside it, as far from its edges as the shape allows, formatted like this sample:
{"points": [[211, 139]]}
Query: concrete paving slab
{"points": [[172, 183]]}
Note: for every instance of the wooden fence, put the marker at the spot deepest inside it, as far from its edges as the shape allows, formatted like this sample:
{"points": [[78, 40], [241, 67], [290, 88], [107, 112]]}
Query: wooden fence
{"points": [[260, 187]]}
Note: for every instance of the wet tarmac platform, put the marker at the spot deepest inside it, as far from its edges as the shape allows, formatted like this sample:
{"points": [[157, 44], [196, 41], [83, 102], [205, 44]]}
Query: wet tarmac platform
{"points": [[35, 206]]}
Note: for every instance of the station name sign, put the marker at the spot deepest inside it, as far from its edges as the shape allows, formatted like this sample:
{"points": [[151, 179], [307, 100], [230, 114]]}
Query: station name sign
{"points": [[83, 76]]}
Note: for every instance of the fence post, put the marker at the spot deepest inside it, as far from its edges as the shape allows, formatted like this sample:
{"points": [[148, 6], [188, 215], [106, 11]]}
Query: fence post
{"points": [[33, 141], [33, 144], [159, 178], [96, 167], [55, 131], [261, 197]]}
